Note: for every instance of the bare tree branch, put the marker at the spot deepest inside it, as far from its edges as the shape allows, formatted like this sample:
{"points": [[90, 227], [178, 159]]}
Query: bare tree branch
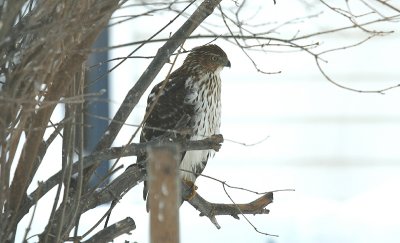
{"points": [[43, 48], [113, 231], [70, 34], [211, 210], [163, 54], [213, 142]]}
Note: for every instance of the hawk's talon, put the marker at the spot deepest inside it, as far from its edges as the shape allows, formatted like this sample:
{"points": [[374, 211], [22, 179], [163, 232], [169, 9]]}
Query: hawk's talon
{"points": [[193, 187]]}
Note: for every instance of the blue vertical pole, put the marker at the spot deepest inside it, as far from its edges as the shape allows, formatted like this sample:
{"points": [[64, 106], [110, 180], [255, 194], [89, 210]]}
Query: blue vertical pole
{"points": [[97, 110]]}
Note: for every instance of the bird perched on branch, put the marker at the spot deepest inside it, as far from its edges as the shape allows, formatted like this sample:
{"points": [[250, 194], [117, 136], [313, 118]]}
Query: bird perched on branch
{"points": [[188, 104]]}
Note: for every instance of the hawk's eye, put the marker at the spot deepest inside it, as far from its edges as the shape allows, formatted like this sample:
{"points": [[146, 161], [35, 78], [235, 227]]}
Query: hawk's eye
{"points": [[214, 58]]}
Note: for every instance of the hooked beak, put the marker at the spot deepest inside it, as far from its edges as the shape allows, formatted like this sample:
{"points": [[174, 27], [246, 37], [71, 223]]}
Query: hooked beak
{"points": [[228, 64]]}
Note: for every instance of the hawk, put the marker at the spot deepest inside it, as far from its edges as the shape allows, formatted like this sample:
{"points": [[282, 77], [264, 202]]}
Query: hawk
{"points": [[190, 101]]}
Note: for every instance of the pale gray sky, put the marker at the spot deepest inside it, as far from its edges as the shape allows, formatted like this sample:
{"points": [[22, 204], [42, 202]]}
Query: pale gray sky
{"points": [[338, 149]]}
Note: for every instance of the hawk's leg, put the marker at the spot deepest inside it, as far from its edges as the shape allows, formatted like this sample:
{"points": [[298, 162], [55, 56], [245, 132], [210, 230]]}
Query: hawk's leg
{"points": [[192, 186]]}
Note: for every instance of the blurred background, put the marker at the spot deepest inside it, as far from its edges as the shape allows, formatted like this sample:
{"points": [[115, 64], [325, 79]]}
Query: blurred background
{"points": [[338, 149]]}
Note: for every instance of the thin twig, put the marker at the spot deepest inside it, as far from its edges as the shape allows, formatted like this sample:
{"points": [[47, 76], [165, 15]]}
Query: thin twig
{"points": [[235, 187], [244, 216], [327, 77], [142, 44], [28, 228]]}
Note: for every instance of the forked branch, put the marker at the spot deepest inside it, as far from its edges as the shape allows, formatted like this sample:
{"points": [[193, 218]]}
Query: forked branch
{"points": [[211, 210]]}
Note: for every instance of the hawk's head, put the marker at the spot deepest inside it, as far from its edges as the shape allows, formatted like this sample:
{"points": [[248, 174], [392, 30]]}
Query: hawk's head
{"points": [[208, 58]]}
